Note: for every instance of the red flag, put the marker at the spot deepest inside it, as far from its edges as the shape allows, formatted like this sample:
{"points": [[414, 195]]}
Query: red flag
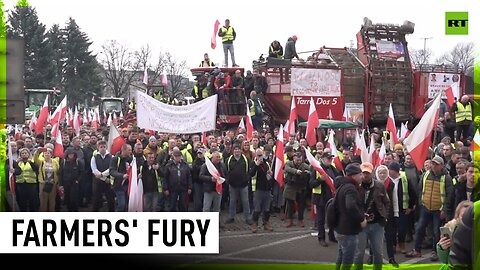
{"points": [[293, 117], [115, 141], [312, 124], [450, 93], [213, 41], [216, 174], [391, 125], [58, 145], [279, 158], [316, 165], [164, 80], [42, 117], [249, 124], [419, 139], [333, 148], [204, 139]]}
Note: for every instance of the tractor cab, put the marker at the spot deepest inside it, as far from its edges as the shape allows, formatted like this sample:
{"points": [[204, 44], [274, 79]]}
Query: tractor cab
{"points": [[111, 105], [231, 107]]}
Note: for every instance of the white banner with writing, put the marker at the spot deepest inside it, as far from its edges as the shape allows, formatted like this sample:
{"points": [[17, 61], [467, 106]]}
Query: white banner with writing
{"points": [[155, 115], [439, 82], [316, 82]]}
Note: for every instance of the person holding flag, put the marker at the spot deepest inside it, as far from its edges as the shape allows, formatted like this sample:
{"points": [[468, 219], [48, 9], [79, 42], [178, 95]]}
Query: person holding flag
{"points": [[8, 164], [210, 173], [119, 166], [321, 193]]}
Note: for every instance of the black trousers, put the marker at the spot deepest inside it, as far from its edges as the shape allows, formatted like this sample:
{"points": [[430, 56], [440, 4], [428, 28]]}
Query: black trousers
{"points": [[300, 198]]}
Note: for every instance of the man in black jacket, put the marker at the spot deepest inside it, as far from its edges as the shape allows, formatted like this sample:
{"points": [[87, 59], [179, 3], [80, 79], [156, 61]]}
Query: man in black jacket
{"points": [[178, 182], [321, 193], [150, 175], [238, 167], [118, 170], [211, 197], [71, 172], [350, 215], [197, 181]]}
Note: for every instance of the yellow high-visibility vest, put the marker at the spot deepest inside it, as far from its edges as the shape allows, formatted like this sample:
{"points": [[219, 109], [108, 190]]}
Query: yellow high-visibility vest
{"points": [[463, 112], [28, 175], [204, 92], [228, 34]]}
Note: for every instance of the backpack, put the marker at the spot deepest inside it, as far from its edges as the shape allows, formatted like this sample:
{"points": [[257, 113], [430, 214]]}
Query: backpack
{"points": [[332, 211]]}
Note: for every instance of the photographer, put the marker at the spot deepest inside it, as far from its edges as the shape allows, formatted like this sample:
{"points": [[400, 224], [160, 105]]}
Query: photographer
{"points": [[297, 174]]}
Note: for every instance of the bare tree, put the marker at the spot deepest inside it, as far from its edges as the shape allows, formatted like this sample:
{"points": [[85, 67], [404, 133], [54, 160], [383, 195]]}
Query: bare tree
{"points": [[461, 57], [144, 59], [119, 66], [177, 75], [421, 57]]}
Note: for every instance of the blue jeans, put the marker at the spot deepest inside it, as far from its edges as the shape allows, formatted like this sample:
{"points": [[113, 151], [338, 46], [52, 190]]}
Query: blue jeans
{"points": [[234, 194], [347, 245], [229, 47], [150, 201], [211, 201], [374, 233], [425, 217], [181, 198], [121, 197]]}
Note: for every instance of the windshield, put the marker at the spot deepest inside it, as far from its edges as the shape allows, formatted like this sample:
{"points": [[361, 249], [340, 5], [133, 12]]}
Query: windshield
{"points": [[35, 99], [112, 105]]}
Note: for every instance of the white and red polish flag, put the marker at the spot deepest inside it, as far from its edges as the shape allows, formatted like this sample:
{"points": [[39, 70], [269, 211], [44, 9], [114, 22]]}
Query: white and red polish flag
{"points": [[365, 157], [33, 122], [42, 117], [58, 116], [11, 177], [115, 140], [241, 125], [213, 41], [451, 92], [333, 148], [215, 174], [381, 155], [391, 126], [249, 124], [164, 79], [312, 124], [316, 165], [293, 117], [58, 145], [76, 122], [286, 132], [371, 151], [135, 189], [420, 139], [475, 146], [346, 115], [279, 158]]}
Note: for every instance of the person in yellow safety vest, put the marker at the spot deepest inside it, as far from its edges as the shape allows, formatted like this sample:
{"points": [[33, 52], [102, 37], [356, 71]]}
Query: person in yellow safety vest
{"points": [[402, 202], [275, 50], [152, 185], [237, 174], [256, 110], [228, 35], [262, 184], [158, 95], [206, 62], [200, 91], [321, 193], [132, 105], [463, 116], [26, 183], [434, 188]]}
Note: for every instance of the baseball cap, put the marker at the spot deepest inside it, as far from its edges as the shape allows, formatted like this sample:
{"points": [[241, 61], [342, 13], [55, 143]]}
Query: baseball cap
{"points": [[366, 167], [327, 155], [438, 160]]}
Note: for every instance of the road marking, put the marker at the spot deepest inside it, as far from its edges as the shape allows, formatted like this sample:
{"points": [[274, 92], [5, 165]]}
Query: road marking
{"points": [[255, 248], [249, 234], [416, 260]]}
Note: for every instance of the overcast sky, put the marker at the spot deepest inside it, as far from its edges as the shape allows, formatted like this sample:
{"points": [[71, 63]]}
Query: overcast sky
{"points": [[184, 27]]}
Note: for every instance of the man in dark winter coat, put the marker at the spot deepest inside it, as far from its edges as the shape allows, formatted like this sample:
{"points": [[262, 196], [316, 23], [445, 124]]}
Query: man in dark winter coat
{"points": [[71, 172], [350, 214], [118, 170], [211, 197], [178, 182]]}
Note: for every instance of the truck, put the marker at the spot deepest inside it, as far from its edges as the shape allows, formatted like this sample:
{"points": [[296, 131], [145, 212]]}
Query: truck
{"points": [[35, 98], [112, 105]]}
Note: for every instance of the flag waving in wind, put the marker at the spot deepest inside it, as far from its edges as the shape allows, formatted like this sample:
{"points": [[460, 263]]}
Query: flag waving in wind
{"points": [[215, 174], [135, 189], [279, 159], [213, 41], [316, 165], [420, 139]]}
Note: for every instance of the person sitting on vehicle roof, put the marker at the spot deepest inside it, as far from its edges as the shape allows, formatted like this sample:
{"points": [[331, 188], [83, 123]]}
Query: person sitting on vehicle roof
{"points": [[275, 50], [200, 90], [222, 81], [206, 62]]}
